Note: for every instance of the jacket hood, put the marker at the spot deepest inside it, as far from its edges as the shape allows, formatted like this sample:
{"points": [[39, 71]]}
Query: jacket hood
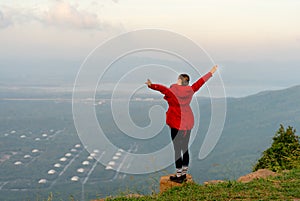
{"points": [[182, 93]]}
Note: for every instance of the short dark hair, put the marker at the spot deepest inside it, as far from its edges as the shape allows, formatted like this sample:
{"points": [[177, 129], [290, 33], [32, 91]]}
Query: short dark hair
{"points": [[185, 79]]}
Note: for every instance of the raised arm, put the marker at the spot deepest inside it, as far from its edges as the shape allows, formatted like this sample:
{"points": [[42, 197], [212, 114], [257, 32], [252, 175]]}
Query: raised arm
{"points": [[158, 87], [196, 86]]}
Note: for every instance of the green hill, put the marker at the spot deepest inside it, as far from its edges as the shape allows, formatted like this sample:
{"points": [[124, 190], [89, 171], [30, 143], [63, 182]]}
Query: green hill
{"points": [[251, 123]]}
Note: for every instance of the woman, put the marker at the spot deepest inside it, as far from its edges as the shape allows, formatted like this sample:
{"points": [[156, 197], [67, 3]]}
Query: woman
{"points": [[180, 117]]}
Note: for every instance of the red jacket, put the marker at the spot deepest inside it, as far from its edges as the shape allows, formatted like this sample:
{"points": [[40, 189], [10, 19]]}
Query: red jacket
{"points": [[179, 114]]}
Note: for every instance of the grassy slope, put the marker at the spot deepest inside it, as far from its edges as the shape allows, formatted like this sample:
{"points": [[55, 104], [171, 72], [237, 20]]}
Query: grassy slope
{"points": [[284, 187]]}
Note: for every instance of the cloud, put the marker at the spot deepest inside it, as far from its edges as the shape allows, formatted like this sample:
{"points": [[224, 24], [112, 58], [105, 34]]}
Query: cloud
{"points": [[63, 14], [10, 16], [5, 21], [60, 14]]}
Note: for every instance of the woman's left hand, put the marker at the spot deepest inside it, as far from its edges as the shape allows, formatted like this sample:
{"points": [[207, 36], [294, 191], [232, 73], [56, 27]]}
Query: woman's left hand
{"points": [[214, 69]]}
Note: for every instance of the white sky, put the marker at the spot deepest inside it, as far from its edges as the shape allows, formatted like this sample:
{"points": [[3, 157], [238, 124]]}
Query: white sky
{"points": [[233, 30]]}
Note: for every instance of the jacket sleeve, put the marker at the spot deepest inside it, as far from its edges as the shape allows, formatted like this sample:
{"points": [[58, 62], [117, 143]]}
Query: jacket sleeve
{"points": [[162, 89], [196, 86]]}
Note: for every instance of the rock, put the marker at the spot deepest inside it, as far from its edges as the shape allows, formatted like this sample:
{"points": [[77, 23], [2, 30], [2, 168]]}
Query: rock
{"points": [[166, 183], [213, 182], [261, 173]]}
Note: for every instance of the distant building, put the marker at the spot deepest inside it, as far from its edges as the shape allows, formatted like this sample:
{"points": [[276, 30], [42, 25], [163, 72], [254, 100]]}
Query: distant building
{"points": [[35, 151], [80, 170], [63, 159], [75, 178], [85, 163], [18, 163], [51, 172], [42, 181], [68, 154]]}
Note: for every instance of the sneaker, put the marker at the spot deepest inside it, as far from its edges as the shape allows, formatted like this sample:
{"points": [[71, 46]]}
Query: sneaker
{"points": [[184, 177], [177, 179]]}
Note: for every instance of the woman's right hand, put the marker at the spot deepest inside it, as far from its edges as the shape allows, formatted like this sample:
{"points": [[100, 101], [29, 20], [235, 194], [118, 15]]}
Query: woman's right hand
{"points": [[214, 69], [148, 82]]}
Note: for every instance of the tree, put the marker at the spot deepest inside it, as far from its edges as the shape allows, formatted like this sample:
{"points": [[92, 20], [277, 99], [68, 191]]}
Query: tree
{"points": [[284, 154]]}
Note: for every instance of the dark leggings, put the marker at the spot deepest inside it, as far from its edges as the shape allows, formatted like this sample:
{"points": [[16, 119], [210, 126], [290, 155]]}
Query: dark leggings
{"points": [[180, 139]]}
